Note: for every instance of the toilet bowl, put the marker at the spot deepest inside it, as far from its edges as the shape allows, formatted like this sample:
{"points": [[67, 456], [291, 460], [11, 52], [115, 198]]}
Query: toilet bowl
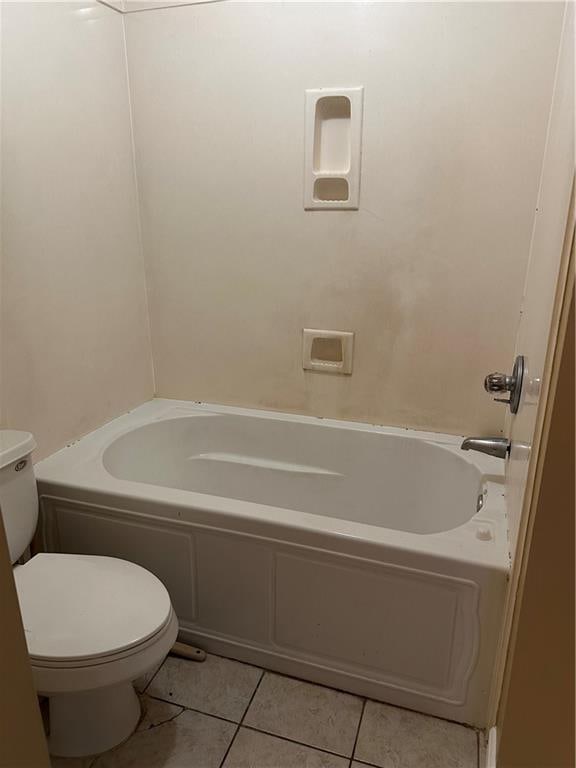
{"points": [[93, 624]]}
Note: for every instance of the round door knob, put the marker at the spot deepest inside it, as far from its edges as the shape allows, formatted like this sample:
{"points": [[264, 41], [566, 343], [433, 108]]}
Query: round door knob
{"points": [[501, 382], [498, 382]]}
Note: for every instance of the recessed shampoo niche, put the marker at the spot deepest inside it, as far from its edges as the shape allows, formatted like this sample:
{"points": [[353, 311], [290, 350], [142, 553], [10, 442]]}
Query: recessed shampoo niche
{"points": [[333, 148]]}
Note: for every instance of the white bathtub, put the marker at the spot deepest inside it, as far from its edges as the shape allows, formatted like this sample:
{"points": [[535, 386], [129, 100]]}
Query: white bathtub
{"points": [[368, 558]]}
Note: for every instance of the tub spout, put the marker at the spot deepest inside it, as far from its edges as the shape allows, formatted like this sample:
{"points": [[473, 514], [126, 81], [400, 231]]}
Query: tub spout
{"points": [[493, 446]]}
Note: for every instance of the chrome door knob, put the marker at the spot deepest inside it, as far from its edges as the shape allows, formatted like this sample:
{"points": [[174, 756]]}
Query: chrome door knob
{"points": [[502, 383], [498, 382]]}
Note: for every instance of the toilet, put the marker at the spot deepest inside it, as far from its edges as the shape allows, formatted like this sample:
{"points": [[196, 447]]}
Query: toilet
{"points": [[93, 624]]}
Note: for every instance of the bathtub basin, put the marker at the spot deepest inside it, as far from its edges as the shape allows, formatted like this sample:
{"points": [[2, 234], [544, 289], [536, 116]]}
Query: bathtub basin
{"points": [[372, 559]]}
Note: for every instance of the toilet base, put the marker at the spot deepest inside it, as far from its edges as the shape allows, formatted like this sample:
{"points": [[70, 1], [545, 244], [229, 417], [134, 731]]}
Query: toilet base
{"points": [[91, 722]]}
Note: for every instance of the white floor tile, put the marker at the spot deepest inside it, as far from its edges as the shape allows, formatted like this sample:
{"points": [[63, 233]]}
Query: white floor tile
{"points": [[191, 740], [252, 749], [397, 738], [216, 686], [311, 714], [289, 711]]}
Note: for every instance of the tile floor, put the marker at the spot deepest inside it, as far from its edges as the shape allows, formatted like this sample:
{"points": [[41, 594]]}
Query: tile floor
{"points": [[224, 714]]}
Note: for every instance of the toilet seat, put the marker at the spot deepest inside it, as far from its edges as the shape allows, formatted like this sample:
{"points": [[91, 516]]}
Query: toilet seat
{"points": [[85, 610], [109, 658]]}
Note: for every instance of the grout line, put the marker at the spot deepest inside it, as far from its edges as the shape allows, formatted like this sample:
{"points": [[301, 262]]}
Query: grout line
{"points": [[158, 725], [239, 725], [358, 732], [232, 740], [192, 709], [253, 695]]}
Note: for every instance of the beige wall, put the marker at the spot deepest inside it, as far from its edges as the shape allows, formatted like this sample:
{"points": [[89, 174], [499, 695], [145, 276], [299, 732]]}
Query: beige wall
{"points": [[428, 273], [75, 339]]}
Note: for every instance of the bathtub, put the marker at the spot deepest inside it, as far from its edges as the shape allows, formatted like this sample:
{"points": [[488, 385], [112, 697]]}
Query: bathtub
{"points": [[371, 559]]}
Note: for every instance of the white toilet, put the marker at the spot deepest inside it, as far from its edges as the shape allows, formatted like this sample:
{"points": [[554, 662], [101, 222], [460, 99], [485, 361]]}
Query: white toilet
{"points": [[93, 624]]}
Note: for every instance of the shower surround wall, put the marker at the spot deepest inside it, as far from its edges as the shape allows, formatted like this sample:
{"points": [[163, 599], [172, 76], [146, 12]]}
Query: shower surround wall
{"points": [[75, 341], [428, 273]]}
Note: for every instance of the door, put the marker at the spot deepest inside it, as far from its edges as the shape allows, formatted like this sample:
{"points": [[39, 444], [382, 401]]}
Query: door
{"points": [[544, 296]]}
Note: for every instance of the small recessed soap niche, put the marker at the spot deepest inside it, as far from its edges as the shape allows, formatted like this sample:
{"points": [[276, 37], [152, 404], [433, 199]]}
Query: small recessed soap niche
{"points": [[327, 351], [333, 148]]}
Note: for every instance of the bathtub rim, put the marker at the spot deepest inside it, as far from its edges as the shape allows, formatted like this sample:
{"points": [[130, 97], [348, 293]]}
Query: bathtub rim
{"points": [[78, 468]]}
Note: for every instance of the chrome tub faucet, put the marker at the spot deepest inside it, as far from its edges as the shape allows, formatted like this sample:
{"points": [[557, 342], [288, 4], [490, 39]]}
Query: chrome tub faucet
{"points": [[493, 446]]}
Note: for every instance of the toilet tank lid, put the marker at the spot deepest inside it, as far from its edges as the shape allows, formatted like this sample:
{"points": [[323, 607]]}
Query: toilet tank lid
{"points": [[14, 445]]}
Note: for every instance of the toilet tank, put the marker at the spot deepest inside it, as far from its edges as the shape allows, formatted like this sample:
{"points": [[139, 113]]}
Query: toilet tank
{"points": [[18, 496]]}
